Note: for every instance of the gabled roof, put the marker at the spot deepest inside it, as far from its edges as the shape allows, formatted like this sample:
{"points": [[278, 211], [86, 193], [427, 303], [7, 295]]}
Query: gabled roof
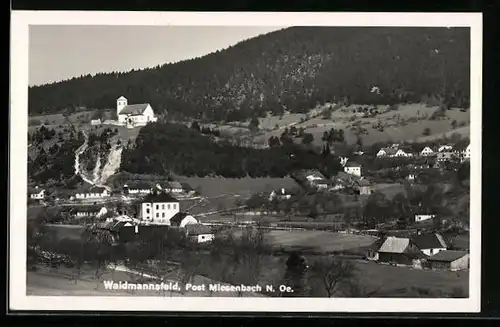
{"points": [[197, 229], [394, 245], [138, 185], [429, 241], [96, 189], [159, 197], [177, 218], [121, 98], [32, 190], [174, 185], [390, 151], [352, 164], [447, 256], [134, 109]]}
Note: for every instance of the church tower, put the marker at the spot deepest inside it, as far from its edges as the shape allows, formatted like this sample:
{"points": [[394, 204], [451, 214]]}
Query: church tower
{"points": [[120, 104]]}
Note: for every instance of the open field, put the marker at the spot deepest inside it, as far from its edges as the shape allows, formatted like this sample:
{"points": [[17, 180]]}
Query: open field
{"points": [[315, 240], [215, 186], [388, 281], [406, 123], [59, 232]]}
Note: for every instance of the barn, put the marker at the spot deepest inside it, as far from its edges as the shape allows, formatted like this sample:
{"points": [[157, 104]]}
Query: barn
{"points": [[449, 260]]}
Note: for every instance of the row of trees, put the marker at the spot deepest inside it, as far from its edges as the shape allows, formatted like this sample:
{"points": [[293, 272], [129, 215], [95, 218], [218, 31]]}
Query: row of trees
{"points": [[190, 153], [293, 69]]}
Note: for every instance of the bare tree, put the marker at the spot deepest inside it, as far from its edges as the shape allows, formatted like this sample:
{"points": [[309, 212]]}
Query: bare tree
{"points": [[332, 273]]}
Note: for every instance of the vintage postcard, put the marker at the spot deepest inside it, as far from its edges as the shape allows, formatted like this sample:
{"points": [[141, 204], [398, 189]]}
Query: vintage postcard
{"points": [[276, 162]]}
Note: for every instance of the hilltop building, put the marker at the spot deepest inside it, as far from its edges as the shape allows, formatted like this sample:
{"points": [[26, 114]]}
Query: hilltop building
{"points": [[135, 114], [352, 168]]}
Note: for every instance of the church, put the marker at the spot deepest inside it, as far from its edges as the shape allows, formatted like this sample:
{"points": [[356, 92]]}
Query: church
{"points": [[134, 114]]}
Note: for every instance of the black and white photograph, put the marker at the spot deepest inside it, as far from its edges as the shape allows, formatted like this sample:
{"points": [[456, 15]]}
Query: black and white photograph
{"points": [[226, 161]]}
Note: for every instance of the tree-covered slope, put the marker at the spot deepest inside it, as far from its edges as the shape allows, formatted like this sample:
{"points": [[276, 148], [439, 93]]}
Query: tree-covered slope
{"points": [[292, 69]]}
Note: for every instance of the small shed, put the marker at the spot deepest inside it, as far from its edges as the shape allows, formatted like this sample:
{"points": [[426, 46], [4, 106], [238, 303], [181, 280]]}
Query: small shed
{"points": [[449, 260], [199, 233]]}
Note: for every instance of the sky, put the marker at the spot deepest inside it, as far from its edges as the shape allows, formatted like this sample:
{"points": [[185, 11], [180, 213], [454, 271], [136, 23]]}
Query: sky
{"points": [[60, 52]]}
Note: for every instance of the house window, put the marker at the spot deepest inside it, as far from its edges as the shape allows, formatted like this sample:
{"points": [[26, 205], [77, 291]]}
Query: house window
{"points": [[168, 206], [432, 251], [174, 206], [157, 215], [147, 211], [163, 215], [163, 206], [157, 206]]}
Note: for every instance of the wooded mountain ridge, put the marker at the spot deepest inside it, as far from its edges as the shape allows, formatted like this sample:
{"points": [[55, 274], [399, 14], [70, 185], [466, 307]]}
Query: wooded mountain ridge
{"points": [[293, 69]]}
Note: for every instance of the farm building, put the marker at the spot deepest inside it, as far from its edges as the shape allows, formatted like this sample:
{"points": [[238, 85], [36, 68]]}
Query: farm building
{"points": [[449, 260], [159, 208], [423, 217], [95, 122], [365, 187], [445, 156], [282, 194], [137, 187], [352, 168], [95, 192], [430, 244], [173, 187], [445, 148], [398, 250], [181, 219], [36, 193], [387, 152], [86, 211], [427, 152], [199, 233]]}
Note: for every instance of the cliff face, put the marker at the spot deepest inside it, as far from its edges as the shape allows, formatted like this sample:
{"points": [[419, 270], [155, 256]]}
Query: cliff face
{"points": [[293, 69]]}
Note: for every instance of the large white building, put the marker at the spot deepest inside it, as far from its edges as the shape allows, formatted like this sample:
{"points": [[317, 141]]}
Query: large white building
{"points": [[159, 208], [134, 114]]}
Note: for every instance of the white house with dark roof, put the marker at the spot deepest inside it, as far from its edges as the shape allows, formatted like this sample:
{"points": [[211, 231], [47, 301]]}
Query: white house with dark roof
{"points": [[36, 193], [426, 152], [430, 244], [159, 208], [352, 168], [134, 114], [95, 192], [137, 187], [199, 233]]}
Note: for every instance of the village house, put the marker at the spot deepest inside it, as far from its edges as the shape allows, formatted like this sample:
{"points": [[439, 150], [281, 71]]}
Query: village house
{"points": [[95, 192], [466, 153], [199, 233], [36, 193], [364, 187], [322, 184], [398, 250], [445, 156], [387, 152], [181, 219], [427, 152], [158, 208], [445, 148], [352, 168], [401, 153], [85, 211], [430, 244], [173, 187], [135, 114], [282, 194], [138, 187], [95, 122], [423, 217], [449, 260], [411, 177]]}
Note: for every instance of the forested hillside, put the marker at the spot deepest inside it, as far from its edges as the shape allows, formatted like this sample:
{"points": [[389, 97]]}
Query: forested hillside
{"points": [[164, 148], [293, 69]]}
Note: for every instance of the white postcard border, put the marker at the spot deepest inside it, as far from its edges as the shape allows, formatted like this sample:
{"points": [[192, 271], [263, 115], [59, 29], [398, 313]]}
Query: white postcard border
{"points": [[18, 156]]}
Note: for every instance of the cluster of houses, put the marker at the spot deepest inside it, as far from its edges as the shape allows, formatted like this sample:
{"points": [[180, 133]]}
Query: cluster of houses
{"points": [[419, 251], [36, 194], [143, 187], [445, 152], [350, 179]]}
